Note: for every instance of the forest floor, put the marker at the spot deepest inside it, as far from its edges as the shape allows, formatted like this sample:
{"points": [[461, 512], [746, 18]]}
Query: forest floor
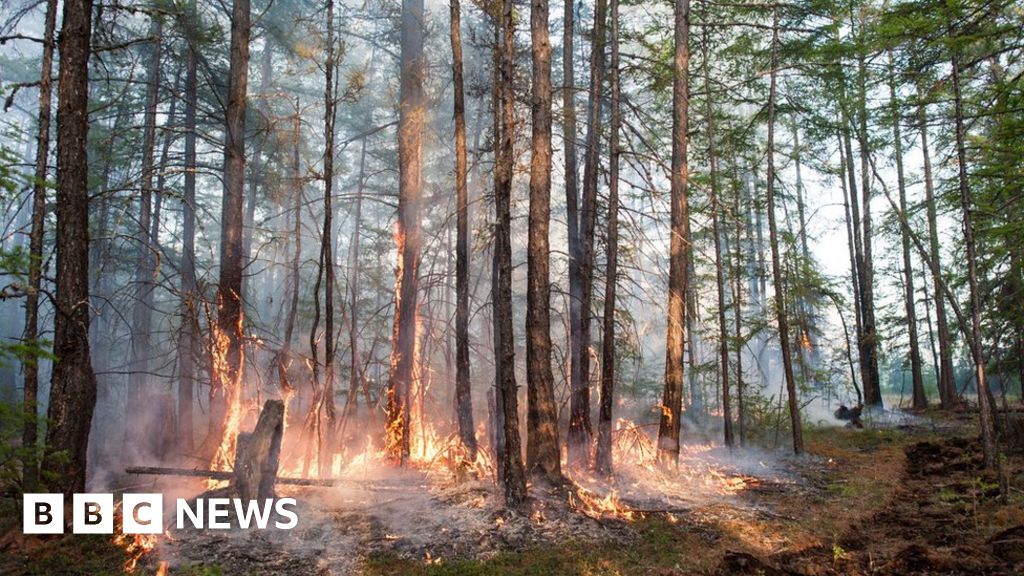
{"points": [[897, 499]]}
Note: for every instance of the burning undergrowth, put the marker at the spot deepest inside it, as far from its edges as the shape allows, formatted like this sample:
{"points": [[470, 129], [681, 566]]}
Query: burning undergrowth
{"points": [[440, 508]]}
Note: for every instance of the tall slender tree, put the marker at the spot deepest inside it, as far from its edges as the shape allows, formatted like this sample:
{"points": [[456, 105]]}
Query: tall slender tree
{"points": [[513, 477], [773, 240], [228, 357], [678, 277], [603, 454], [411, 123], [463, 390], [30, 364], [72, 382], [543, 456]]}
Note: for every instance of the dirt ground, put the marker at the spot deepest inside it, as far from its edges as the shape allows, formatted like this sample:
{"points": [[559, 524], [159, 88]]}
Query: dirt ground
{"points": [[896, 499]]}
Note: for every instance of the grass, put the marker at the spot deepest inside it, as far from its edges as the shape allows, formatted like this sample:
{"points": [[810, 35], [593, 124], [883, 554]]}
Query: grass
{"points": [[662, 547]]}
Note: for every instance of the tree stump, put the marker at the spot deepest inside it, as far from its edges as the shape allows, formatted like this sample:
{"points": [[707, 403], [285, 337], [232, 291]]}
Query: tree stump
{"points": [[258, 454]]}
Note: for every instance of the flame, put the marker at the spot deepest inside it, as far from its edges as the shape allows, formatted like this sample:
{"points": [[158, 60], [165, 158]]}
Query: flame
{"points": [[598, 507], [135, 546], [220, 342], [805, 341]]}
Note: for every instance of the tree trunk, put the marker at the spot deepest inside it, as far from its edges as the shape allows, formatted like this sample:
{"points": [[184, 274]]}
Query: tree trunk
{"points": [[463, 388], [137, 416], [355, 372], [773, 240], [73, 382], [228, 357], [947, 389], [327, 244], [603, 454], [580, 431], [737, 306], [543, 454], [920, 402], [513, 476], [985, 408], [187, 340], [851, 240], [256, 170], [678, 281], [576, 382], [869, 341], [30, 363], [723, 330], [410, 153]]}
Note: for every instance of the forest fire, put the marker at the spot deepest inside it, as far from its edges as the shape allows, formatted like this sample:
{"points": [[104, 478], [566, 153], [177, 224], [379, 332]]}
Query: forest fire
{"points": [[136, 546]]}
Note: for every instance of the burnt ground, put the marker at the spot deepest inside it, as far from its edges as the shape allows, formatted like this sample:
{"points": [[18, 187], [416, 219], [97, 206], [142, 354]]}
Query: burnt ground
{"points": [[907, 499]]}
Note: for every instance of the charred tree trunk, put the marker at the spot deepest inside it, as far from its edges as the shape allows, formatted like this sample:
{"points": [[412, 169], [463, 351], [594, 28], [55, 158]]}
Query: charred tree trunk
{"points": [[410, 153], [773, 240], [327, 246], [228, 357], [678, 281], [603, 454], [513, 477], [543, 454], [737, 307], [30, 363], [73, 382], [463, 389]]}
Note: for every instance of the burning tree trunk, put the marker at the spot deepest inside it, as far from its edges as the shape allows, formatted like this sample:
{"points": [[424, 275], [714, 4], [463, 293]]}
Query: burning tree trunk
{"points": [[773, 239], [506, 401], [543, 454], [407, 237], [678, 281], [73, 382], [187, 342], [142, 314], [227, 357], [29, 363], [463, 390], [723, 331], [603, 454]]}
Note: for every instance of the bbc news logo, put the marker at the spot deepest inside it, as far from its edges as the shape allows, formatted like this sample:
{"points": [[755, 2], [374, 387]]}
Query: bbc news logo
{"points": [[144, 513]]}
